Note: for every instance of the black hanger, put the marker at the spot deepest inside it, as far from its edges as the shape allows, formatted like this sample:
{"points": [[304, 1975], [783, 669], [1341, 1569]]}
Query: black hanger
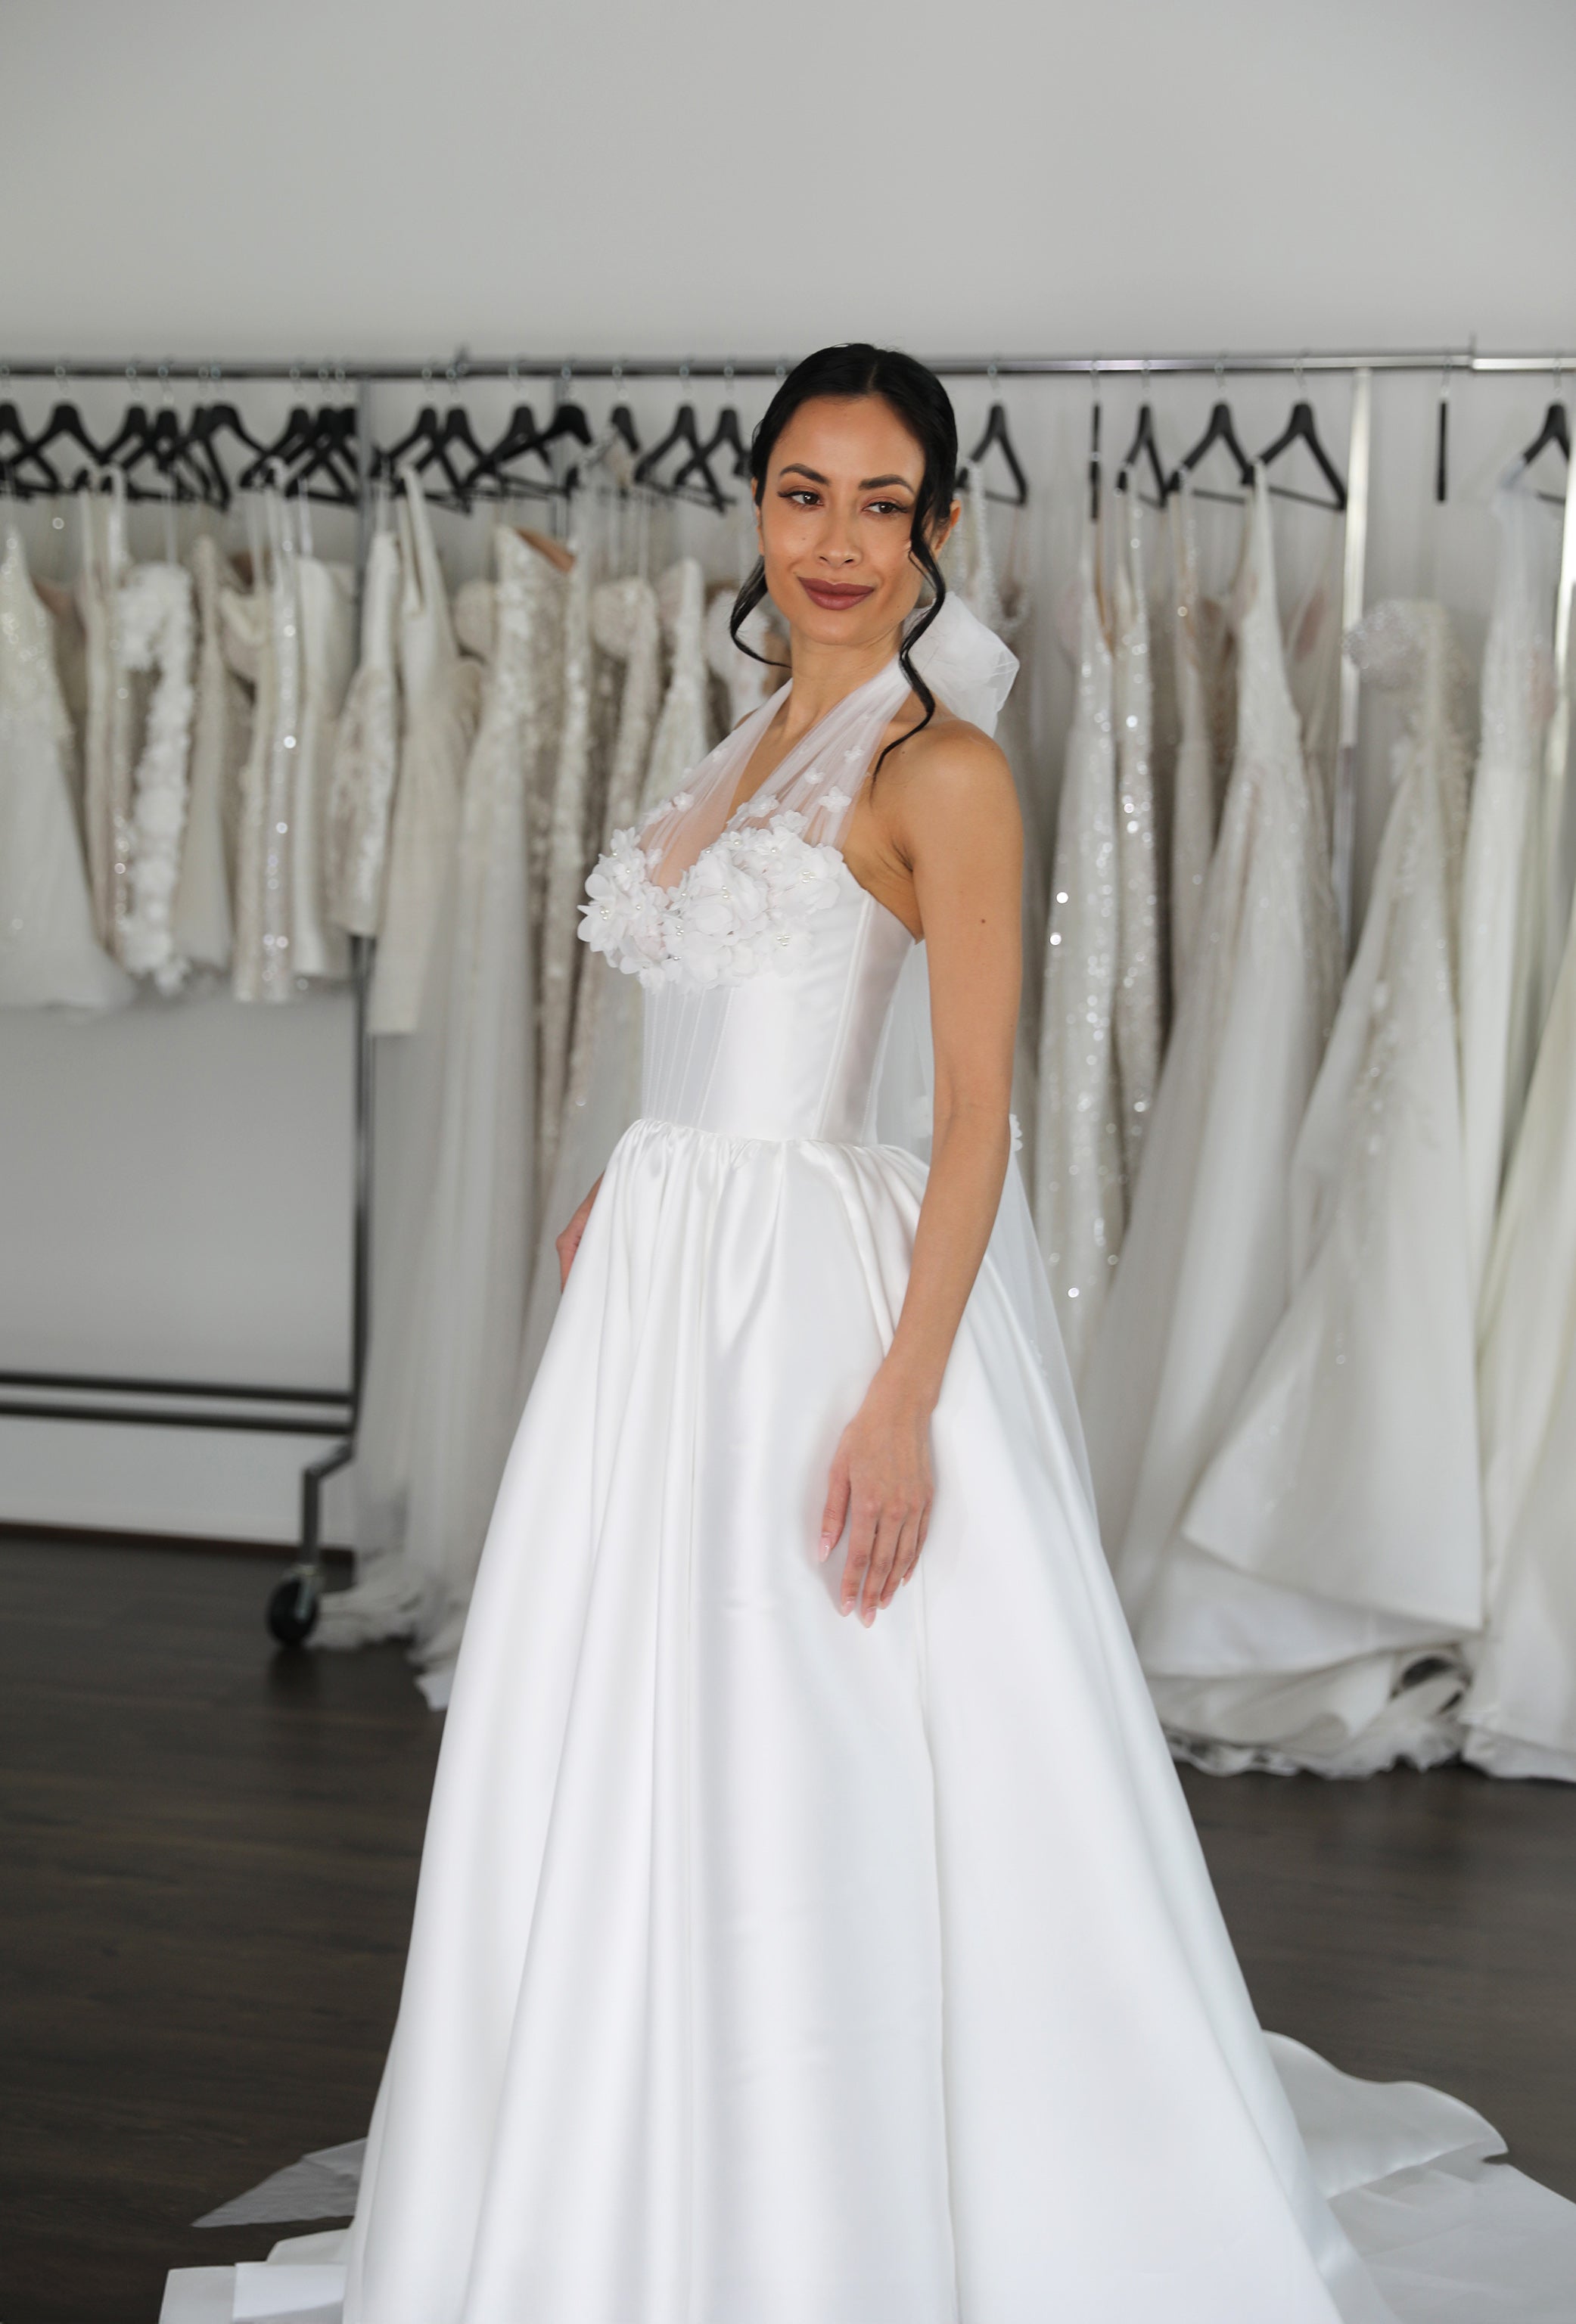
{"points": [[324, 464], [621, 421], [208, 423], [65, 426], [522, 439], [1301, 427], [725, 437], [1555, 429], [160, 438], [684, 432], [18, 450], [997, 439], [429, 443], [272, 459], [1221, 429], [1144, 443], [569, 420]]}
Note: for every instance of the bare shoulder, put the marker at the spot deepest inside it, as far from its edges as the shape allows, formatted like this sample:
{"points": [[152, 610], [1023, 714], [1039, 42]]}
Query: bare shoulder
{"points": [[950, 780]]}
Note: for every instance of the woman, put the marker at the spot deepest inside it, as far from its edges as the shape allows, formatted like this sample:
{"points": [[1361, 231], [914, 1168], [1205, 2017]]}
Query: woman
{"points": [[811, 1930]]}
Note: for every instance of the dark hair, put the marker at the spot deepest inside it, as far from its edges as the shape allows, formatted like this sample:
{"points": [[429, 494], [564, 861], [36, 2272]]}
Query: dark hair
{"points": [[924, 408]]}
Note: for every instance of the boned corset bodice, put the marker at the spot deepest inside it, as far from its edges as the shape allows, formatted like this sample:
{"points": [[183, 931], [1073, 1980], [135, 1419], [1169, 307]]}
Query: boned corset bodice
{"points": [[790, 1051]]}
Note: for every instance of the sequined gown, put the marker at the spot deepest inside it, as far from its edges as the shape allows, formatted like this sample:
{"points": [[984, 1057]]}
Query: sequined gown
{"points": [[1080, 1182]]}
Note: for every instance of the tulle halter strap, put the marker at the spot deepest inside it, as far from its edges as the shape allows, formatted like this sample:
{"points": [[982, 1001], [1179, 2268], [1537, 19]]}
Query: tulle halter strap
{"points": [[812, 791]]}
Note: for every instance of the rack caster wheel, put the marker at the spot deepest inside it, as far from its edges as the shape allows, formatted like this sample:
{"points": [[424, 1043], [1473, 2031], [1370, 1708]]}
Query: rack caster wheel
{"points": [[293, 1606]]}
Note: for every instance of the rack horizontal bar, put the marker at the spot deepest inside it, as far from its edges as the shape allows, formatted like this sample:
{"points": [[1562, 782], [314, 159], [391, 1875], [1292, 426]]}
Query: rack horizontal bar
{"points": [[456, 369], [230, 1392], [267, 1424]]}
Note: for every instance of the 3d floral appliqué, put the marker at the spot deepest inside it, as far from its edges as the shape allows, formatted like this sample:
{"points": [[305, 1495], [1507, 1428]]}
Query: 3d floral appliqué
{"points": [[744, 905]]}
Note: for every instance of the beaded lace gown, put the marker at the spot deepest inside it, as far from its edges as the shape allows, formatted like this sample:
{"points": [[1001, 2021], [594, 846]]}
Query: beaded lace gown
{"points": [[766, 1967], [48, 951], [1080, 1184]]}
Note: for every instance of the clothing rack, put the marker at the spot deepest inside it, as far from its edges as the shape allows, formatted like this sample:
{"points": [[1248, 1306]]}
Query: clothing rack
{"points": [[334, 1412]]}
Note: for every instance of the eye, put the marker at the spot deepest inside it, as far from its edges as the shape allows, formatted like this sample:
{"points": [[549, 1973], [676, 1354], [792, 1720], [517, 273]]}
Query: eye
{"points": [[803, 495], [887, 508]]}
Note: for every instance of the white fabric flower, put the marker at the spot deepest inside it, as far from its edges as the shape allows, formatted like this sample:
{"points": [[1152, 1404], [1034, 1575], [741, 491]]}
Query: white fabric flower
{"points": [[742, 907]]}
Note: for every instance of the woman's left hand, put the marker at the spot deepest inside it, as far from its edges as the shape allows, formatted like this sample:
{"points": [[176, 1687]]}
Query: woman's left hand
{"points": [[880, 1488]]}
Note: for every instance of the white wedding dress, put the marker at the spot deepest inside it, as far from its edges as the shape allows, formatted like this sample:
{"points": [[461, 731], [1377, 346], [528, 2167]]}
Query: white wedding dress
{"points": [[604, 1046], [442, 699], [202, 919], [49, 952], [1204, 658], [1502, 920], [439, 1405], [1205, 1268], [1521, 1713], [771, 1969], [366, 752], [1340, 1512], [1080, 1182], [1141, 944]]}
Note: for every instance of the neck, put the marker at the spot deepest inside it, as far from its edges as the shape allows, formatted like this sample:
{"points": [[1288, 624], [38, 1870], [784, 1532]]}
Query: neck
{"points": [[823, 676]]}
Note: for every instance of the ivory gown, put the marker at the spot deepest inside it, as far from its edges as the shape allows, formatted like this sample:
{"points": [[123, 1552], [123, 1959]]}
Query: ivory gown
{"points": [[772, 1969]]}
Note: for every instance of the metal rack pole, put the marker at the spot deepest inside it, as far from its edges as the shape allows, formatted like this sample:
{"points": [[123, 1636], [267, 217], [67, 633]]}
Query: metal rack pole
{"points": [[462, 366]]}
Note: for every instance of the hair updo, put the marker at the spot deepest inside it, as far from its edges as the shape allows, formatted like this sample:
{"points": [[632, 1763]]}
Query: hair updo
{"points": [[922, 405]]}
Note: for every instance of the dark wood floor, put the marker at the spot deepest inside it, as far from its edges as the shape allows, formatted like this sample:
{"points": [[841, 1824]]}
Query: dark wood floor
{"points": [[210, 1854]]}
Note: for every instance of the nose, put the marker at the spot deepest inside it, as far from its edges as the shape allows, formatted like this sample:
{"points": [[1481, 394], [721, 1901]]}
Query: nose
{"points": [[835, 547]]}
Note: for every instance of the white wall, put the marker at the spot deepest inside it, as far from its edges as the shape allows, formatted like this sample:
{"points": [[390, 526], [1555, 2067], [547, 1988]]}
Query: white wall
{"points": [[372, 176]]}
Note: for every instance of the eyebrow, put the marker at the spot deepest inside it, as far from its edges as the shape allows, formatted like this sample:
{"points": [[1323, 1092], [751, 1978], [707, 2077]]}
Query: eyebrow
{"points": [[867, 483]]}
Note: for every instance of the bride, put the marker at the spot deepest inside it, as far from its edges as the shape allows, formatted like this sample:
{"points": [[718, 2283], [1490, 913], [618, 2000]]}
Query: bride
{"points": [[811, 1929]]}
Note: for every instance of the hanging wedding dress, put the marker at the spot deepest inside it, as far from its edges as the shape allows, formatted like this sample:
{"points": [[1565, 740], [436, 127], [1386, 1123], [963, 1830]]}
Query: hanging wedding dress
{"points": [[1521, 1713], [1205, 662], [292, 637], [684, 728], [1079, 1192], [201, 920], [970, 570], [49, 952], [1501, 921], [766, 1966], [325, 624], [1341, 1510], [366, 752], [604, 1050], [572, 839], [1206, 1265], [155, 633], [441, 699], [744, 681], [439, 1407], [1140, 989], [112, 705]]}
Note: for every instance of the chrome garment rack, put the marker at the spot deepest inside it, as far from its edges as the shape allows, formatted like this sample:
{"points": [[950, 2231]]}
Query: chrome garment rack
{"points": [[334, 1412]]}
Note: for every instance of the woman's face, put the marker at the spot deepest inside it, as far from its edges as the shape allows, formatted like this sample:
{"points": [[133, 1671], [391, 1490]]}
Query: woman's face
{"points": [[835, 515]]}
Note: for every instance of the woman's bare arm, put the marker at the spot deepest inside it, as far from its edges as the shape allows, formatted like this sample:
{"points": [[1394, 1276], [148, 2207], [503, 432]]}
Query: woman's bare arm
{"points": [[952, 824]]}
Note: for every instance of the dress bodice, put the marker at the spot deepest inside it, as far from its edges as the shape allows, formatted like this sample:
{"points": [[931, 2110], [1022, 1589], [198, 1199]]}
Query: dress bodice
{"points": [[784, 1052]]}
